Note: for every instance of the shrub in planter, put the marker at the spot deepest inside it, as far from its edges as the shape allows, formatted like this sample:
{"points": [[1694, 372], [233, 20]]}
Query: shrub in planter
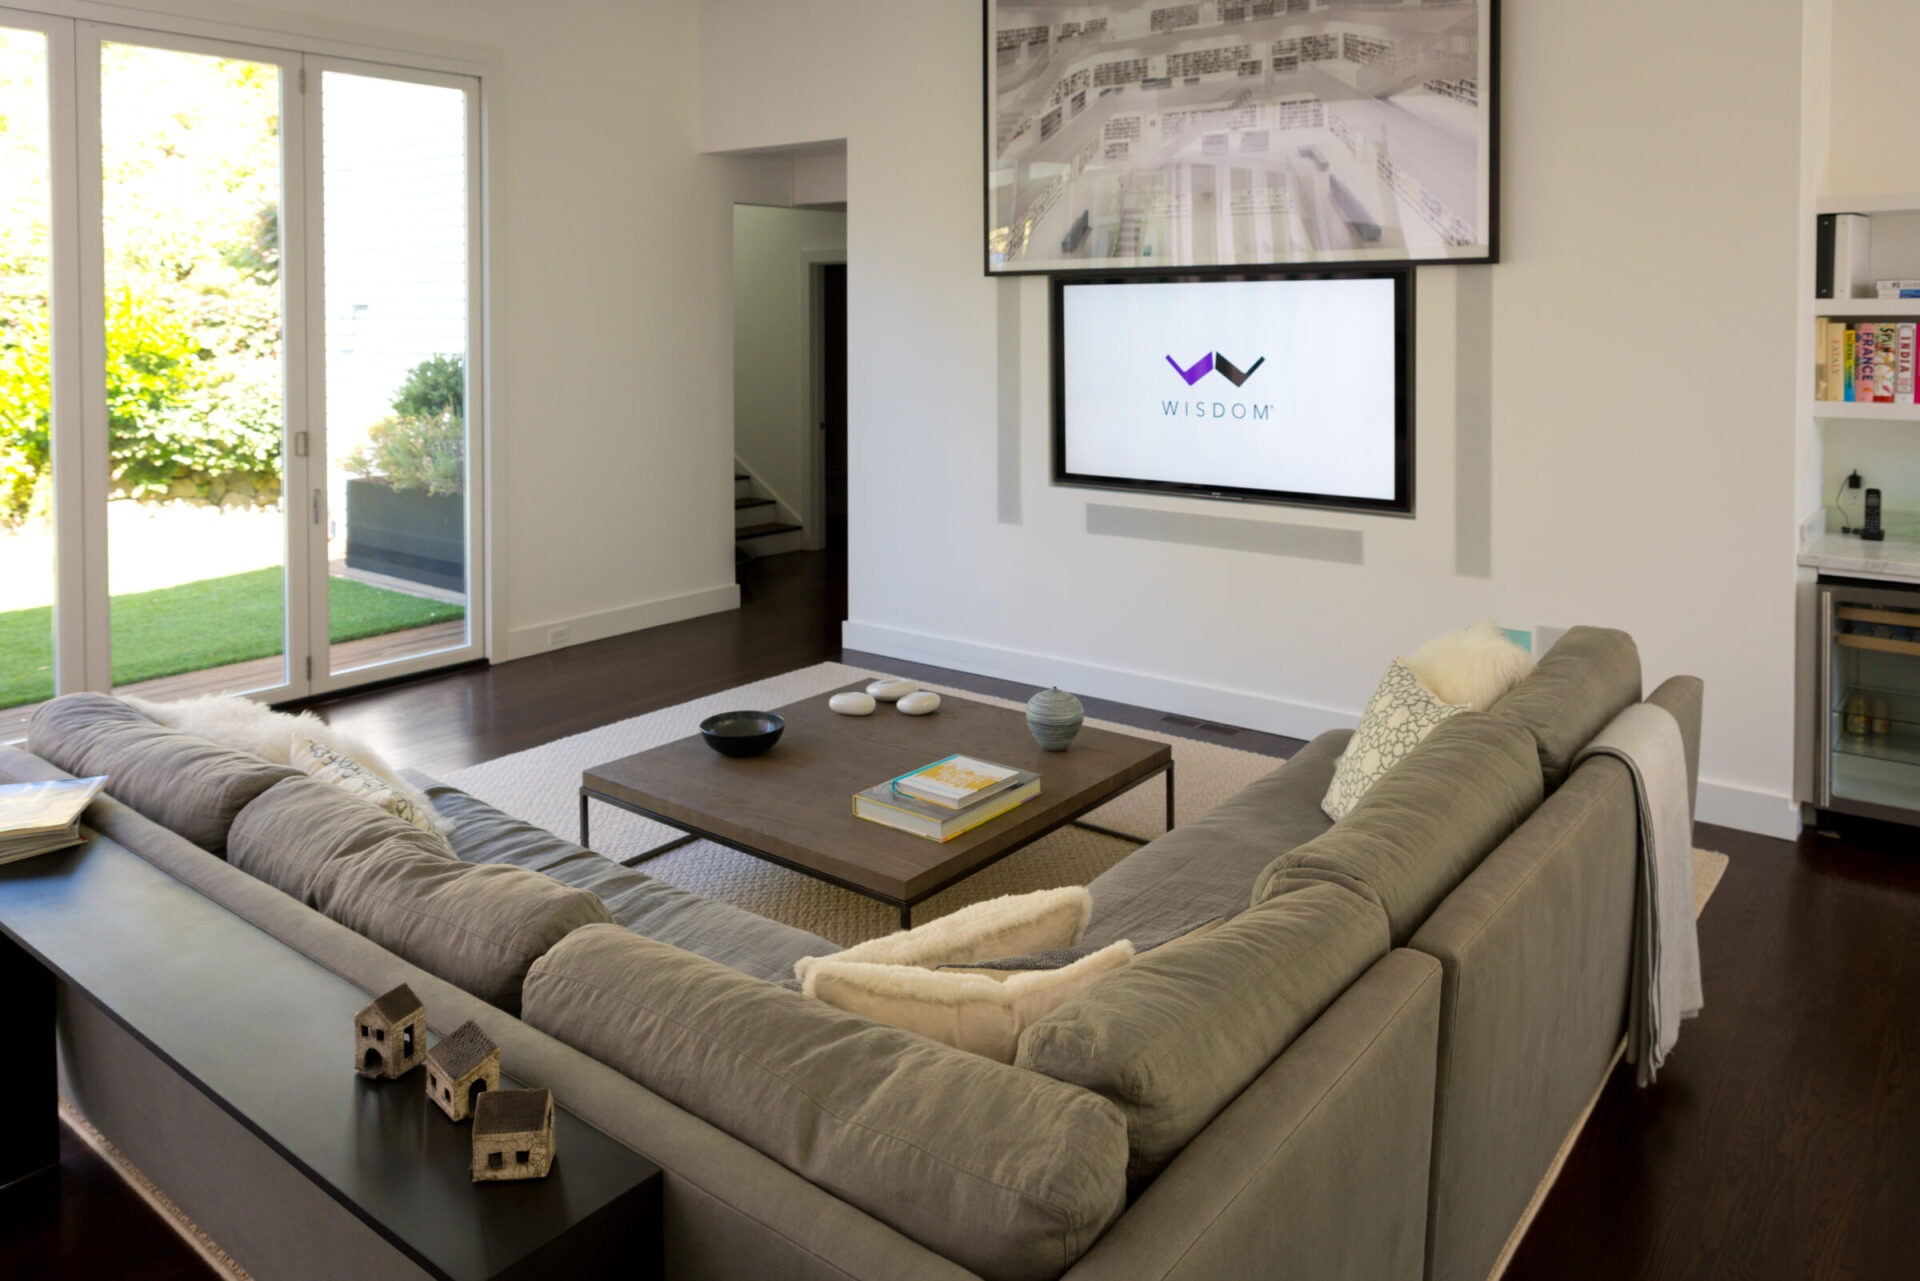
{"points": [[406, 514]]}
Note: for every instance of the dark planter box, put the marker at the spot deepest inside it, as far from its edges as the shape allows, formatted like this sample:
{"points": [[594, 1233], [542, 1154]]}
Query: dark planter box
{"points": [[407, 533]]}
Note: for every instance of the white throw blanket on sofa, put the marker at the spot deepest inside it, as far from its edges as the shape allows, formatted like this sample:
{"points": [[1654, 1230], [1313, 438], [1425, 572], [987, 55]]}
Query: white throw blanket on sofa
{"points": [[1666, 942]]}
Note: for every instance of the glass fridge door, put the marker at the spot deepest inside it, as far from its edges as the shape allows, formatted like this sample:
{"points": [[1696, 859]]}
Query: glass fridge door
{"points": [[1871, 757]]}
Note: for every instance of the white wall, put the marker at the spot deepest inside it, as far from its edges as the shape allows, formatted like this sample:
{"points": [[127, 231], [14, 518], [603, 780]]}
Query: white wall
{"points": [[1876, 132], [612, 385], [774, 418], [1645, 328]]}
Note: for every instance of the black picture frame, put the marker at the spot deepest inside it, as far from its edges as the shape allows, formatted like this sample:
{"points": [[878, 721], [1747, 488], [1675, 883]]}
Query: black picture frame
{"points": [[1402, 365], [1007, 247]]}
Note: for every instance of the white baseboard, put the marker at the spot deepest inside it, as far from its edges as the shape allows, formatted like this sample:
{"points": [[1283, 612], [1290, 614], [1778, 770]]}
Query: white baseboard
{"points": [[1142, 689], [1750, 810], [1725, 804], [525, 641]]}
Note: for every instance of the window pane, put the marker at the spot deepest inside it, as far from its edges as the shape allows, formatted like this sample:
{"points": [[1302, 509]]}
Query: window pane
{"points": [[395, 195], [26, 388], [191, 203]]}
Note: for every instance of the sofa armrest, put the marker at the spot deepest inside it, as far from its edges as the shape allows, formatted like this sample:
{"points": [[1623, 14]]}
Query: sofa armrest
{"points": [[1684, 696], [1275, 1185]]}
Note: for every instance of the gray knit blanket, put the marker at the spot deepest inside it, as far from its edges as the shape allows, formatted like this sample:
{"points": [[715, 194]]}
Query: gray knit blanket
{"points": [[1666, 942]]}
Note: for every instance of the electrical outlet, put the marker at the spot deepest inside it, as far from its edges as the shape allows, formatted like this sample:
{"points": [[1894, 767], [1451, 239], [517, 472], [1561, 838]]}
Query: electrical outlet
{"points": [[558, 636], [1545, 637]]}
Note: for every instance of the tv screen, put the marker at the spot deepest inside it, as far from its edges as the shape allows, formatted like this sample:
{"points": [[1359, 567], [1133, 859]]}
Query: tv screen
{"points": [[1288, 388]]}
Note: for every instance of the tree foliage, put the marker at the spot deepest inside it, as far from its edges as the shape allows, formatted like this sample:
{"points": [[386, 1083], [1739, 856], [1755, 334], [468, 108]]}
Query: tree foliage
{"points": [[191, 187], [422, 446]]}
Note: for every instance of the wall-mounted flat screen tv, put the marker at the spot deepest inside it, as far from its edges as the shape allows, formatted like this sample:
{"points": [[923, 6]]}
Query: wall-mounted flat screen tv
{"points": [[1281, 388]]}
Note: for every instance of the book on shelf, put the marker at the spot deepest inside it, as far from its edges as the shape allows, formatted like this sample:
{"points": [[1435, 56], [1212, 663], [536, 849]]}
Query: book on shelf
{"points": [[881, 804], [1836, 361], [1897, 288], [1866, 361], [958, 781], [1852, 336], [1885, 335], [38, 818], [1820, 327], [1903, 387]]}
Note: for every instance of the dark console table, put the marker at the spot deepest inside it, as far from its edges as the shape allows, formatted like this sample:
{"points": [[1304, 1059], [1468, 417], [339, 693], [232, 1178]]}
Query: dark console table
{"points": [[265, 1033]]}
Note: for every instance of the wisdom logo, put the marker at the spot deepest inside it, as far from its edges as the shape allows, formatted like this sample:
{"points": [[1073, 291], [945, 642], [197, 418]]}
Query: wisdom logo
{"points": [[1213, 362]]}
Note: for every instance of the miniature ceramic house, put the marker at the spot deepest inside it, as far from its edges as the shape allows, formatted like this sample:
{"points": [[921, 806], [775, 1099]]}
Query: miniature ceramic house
{"points": [[512, 1135], [390, 1036], [462, 1068]]}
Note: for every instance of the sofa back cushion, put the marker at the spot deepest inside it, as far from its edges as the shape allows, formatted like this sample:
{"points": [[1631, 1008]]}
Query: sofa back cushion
{"points": [[476, 925], [181, 782], [1175, 1037], [1426, 824], [1590, 676], [1008, 1174], [299, 825]]}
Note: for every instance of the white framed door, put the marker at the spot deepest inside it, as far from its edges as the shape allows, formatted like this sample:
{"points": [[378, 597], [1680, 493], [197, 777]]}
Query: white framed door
{"points": [[228, 265]]}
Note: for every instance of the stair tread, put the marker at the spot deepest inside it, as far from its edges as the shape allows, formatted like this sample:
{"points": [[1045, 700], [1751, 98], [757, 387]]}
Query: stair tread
{"points": [[763, 531], [738, 503]]}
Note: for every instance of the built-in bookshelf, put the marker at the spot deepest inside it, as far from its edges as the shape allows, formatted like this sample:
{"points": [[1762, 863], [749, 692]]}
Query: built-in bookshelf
{"points": [[1889, 250]]}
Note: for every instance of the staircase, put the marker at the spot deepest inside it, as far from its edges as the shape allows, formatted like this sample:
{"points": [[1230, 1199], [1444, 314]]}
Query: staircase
{"points": [[762, 526]]}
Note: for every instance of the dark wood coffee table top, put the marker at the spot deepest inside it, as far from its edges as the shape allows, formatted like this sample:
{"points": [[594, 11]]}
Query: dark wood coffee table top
{"points": [[794, 804]]}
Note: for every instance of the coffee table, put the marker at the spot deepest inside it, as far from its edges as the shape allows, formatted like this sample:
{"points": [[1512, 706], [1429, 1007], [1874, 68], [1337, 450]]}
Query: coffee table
{"points": [[794, 805]]}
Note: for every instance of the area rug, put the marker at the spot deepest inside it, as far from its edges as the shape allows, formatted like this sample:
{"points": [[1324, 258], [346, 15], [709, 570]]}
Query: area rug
{"points": [[542, 786]]}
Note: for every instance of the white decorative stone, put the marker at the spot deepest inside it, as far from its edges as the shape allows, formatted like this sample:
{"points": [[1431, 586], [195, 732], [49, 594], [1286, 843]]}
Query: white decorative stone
{"points": [[852, 703], [919, 703], [891, 690]]}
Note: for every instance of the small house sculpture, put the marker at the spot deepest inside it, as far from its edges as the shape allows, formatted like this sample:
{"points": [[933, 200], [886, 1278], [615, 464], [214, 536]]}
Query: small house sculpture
{"points": [[390, 1036], [461, 1068], [512, 1135]]}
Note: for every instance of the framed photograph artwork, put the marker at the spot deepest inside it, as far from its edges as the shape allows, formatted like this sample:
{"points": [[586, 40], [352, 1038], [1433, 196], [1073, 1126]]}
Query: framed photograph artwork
{"points": [[1129, 136]]}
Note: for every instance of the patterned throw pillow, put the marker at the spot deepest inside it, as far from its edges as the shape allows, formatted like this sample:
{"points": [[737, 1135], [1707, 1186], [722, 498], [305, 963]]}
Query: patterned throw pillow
{"points": [[330, 765], [1400, 714]]}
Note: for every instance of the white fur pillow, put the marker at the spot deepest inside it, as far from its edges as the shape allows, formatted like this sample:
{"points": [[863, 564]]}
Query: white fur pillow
{"points": [[980, 1011], [336, 769], [247, 726], [1472, 667], [1011, 925]]}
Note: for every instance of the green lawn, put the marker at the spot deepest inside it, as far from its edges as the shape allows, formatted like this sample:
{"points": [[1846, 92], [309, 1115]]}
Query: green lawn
{"points": [[199, 625]]}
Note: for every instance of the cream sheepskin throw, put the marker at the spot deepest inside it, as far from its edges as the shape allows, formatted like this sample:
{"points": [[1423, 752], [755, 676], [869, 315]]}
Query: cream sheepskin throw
{"points": [[1011, 925], [1472, 667], [980, 1011], [247, 726]]}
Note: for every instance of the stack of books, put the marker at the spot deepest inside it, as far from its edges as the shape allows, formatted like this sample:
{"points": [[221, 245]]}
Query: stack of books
{"points": [[38, 818], [953, 795], [1866, 362]]}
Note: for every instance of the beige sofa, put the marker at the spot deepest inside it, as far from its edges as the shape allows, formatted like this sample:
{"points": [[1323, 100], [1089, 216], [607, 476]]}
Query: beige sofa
{"points": [[1364, 1073]]}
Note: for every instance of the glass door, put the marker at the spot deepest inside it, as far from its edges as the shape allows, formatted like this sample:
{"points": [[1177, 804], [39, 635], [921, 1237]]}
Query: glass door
{"points": [[27, 580], [193, 200], [1870, 762], [399, 259]]}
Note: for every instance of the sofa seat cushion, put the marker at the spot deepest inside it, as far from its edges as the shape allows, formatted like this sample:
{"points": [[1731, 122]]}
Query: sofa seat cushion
{"points": [[1009, 1174], [185, 783], [300, 825], [1590, 676], [1173, 1038], [477, 926], [719, 931], [1207, 868], [1426, 824]]}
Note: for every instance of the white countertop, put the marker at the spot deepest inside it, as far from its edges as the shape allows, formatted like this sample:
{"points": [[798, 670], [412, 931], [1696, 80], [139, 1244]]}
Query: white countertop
{"points": [[1897, 558]]}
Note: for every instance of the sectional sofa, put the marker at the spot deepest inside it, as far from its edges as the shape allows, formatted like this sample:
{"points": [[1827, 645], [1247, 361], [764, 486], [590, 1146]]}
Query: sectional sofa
{"points": [[1364, 1072]]}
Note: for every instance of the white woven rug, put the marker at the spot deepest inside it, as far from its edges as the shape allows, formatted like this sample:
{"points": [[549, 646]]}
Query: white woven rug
{"points": [[542, 785]]}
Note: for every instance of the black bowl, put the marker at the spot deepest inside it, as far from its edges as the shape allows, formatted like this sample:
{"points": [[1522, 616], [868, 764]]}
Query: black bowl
{"points": [[742, 733]]}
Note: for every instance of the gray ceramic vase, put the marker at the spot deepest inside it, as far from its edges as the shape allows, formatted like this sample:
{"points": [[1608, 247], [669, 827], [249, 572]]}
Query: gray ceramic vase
{"points": [[1054, 717]]}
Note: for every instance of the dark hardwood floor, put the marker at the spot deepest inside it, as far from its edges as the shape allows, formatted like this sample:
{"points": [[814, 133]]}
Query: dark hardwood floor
{"points": [[1781, 1141]]}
